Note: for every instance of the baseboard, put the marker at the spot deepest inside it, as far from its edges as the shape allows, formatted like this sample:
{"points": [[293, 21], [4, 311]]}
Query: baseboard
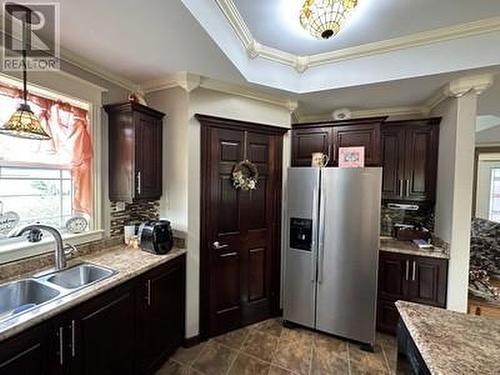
{"points": [[191, 341]]}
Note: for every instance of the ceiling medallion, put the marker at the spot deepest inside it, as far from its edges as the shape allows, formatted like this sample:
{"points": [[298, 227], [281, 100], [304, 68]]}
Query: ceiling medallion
{"points": [[324, 18]]}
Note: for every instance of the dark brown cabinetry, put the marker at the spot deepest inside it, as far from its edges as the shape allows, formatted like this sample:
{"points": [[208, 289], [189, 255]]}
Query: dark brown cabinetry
{"points": [[305, 142], [417, 279], [27, 353], [409, 156], [130, 329], [328, 137], [160, 307], [99, 332], [135, 152]]}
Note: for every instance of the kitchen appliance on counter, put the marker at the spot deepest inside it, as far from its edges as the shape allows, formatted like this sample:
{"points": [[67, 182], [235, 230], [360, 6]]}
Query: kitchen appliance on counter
{"points": [[410, 232], [156, 236], [331, 259]]}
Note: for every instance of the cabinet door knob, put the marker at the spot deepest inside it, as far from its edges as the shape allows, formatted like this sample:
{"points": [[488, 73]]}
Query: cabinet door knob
{"points": [[414, 271], [73, 339], [401, 188], [407, 188], [407, 273], [148, 293]]}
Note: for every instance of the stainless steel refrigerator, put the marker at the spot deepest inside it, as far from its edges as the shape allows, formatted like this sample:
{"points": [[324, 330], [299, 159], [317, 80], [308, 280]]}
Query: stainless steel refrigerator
{"points": [[331, 253]]}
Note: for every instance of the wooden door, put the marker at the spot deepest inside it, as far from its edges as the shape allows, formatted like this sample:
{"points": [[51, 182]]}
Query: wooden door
{"points": [[161, 314], [26, 354], [421, 162], [367, 136], [240, 249], [393, 154], [305, 142], [103, 329], [148, 156], [428, 281]]}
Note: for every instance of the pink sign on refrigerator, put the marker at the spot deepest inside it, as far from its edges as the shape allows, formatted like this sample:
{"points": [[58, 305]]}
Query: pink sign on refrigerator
{"points": [[351, 157]]}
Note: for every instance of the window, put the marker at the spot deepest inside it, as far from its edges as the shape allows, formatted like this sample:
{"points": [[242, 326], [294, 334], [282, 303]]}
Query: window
{"points": [[46, 181], [494, 212]]}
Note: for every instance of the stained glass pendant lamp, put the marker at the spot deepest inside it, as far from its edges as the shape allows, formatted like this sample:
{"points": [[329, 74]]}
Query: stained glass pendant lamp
{"points": [[23, 123], [324, 19]]}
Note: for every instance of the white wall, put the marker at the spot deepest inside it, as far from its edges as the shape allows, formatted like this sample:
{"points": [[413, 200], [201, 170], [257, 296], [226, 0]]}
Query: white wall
{"points": [[184, 178], [174, 202], [454, 190]]}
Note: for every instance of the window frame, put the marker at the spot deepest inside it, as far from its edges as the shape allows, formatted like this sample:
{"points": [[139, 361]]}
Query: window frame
{"points": [[83, 94]]}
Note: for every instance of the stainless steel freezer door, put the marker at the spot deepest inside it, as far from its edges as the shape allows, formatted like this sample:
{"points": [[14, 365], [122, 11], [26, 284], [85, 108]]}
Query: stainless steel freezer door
{"points": [[300, 264], [348, 252]]}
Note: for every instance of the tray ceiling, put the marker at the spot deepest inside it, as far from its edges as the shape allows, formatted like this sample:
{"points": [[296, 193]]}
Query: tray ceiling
{"points": [[275, 23]]}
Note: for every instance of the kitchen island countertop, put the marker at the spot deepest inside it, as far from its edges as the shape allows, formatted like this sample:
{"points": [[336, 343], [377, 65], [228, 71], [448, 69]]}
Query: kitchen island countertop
{"points": [[451, 342]]}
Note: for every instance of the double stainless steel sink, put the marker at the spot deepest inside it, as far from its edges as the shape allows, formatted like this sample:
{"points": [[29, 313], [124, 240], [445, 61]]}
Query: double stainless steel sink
{"points": [[20, 296]]}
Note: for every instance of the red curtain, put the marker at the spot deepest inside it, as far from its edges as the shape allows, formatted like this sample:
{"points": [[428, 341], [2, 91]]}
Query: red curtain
{"points": [[68, 126]]}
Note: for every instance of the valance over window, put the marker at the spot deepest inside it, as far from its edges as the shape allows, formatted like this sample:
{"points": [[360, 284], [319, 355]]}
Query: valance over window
{"points": [[70, 146]]}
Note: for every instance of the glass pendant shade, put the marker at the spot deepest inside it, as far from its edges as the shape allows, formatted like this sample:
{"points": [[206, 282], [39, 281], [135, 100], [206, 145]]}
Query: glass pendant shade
{"points": [[24, 124], [324, 19]]}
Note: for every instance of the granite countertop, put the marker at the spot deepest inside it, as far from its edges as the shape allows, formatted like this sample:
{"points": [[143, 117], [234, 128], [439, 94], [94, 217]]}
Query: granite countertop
{"points": [[452, 342], [407, 247], [126, 261]]}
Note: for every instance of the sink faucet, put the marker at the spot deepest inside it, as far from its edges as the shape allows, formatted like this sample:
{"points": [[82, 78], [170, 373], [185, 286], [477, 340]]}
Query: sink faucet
{"points": [[59, 253]]}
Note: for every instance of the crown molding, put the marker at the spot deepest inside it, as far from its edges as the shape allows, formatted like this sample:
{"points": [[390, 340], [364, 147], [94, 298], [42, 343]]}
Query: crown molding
{"points": [[278, 100], [256, 49], [84, 64], [365, 113], [78, 61], [190, 82], [460, 87], [187, 81]]}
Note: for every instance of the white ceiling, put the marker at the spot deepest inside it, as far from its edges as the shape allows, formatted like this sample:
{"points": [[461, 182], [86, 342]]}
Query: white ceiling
{"points": [[150, 39], [141, 40], [275, 23], [401, 93]]}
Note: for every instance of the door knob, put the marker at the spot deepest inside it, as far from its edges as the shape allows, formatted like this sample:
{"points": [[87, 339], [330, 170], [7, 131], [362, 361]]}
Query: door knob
{"points": [[217, 245]]}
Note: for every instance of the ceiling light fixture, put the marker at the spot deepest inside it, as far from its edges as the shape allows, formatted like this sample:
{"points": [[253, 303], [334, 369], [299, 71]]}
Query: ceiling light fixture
{"points": [[23, 123], [324, 18]]}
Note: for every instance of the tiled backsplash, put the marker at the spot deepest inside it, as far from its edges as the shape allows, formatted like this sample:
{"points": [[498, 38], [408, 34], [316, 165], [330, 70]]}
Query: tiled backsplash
{"points": [[424, 216], [134, 213]]}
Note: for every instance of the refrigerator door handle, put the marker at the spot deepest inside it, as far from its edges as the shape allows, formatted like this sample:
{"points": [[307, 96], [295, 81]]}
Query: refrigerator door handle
{"points": [[321, 236], [314, 250]]}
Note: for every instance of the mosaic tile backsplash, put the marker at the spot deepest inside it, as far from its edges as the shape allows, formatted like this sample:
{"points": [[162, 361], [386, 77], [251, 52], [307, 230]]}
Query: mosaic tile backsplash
{"points": [[389, 217], [134, 213]]}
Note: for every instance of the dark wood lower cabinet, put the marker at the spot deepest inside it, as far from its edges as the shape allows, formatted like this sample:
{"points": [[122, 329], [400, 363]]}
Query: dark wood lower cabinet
{"points": [[26, 354], [160, 307], [411, 278], [130, 329], [101, 335]]}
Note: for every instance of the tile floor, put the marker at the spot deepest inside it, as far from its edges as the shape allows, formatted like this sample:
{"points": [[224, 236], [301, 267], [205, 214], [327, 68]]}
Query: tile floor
{"points": [[269, 349]]}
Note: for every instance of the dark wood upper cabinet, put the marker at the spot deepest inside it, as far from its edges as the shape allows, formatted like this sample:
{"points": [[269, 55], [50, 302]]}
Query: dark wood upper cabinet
{"points": [[411, 278], [328, 137], [365, 135], [135, 152], [305, 142], [409, 157]]}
